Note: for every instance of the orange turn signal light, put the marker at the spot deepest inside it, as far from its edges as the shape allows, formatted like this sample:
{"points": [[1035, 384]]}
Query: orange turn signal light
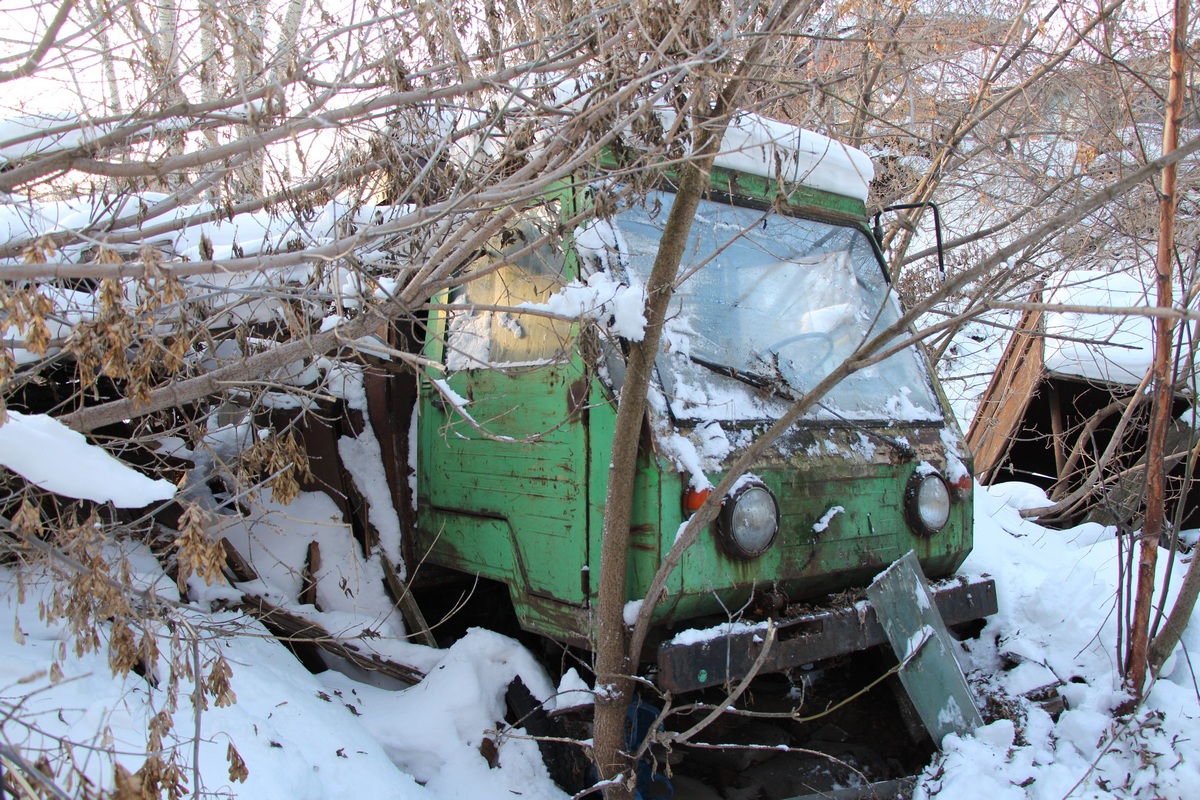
{"points": [[963, 483], [694, 498]]}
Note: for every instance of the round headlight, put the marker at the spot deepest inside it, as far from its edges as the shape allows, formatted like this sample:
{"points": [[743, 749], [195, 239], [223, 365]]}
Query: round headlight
{"points": [[927, 503], [749, 520]]}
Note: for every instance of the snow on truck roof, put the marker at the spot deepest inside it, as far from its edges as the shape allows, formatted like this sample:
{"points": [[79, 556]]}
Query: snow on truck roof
{"points": [[761, 146], [753, 144]]}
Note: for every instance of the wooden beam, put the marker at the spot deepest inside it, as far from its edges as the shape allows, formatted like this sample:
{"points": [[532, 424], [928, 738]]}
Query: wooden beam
{"points": [[1008, 394], [294, 629]]}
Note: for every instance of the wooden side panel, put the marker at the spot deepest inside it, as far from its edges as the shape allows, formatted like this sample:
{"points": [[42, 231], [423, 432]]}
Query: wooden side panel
{"points": [[1007, 397]]}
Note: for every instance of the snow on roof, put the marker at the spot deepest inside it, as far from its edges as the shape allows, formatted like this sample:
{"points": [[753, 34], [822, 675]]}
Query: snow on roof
{"points": [[28, 135], [753, 144], [760, 146], [39, 134], [1105, 347], [49, 454]]}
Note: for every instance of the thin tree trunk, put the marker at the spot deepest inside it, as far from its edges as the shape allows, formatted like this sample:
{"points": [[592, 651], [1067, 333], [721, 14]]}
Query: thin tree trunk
{"points": [[614, 664], [1153, 656], [615, 659], [285, 53], [248, 52], [209, 70], [107, 59], [1152, 528]]}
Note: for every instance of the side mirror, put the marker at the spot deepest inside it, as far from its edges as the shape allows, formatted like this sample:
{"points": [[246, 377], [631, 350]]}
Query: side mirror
{"points": [[937, 229]]}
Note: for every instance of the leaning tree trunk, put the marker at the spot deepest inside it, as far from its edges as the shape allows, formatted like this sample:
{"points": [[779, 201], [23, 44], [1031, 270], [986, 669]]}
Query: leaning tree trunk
{"points": [[615, 661], [613, 664]]}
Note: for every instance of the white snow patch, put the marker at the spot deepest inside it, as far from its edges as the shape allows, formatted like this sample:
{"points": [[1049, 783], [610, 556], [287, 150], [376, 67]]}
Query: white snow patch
{"points": [[1107, 346], [698, 636], [615, 306], [50, 455], [363, 459], [573, 692], [823, 523], [434, 730], [631, 610], [687, 459]]}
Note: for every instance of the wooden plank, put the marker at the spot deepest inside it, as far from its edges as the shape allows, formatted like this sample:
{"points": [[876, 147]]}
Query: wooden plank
{"points": [[308, 578], [414, 619], [237, 568], [932, 677], [1058, 429], [1007, 397], [297, 632]]}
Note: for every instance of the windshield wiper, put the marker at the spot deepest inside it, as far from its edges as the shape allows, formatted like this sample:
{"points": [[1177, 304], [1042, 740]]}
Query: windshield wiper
{"points": [[763, 382], [748, 378]]}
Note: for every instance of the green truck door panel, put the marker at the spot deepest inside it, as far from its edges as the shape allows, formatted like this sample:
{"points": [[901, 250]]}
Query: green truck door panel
{"points": [[527, 477]]}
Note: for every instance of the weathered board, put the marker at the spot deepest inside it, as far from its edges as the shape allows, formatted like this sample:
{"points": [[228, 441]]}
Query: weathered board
{"points": [[1003, 404]]}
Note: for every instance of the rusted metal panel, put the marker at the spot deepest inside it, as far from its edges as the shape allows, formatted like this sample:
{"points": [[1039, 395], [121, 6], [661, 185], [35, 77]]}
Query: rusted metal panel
{"points": [[930, 674], [1003, 405], [807, 638], [515, 499]]}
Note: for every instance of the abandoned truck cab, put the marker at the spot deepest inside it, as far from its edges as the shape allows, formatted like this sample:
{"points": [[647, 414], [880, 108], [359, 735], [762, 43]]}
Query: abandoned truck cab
{"points": [[781, 281]]}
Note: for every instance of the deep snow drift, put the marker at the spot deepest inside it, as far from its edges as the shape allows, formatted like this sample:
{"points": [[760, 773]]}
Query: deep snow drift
{"points": [[328, 736]]}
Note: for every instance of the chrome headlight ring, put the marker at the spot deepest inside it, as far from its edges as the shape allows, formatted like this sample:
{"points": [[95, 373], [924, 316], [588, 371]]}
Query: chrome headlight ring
{"points": [[927, 502], [749, 520]]}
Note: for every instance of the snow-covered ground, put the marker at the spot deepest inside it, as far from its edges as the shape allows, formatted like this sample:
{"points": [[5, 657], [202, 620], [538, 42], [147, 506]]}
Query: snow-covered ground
{"points": [[340, 735], [328, 736], [1057, 622]]}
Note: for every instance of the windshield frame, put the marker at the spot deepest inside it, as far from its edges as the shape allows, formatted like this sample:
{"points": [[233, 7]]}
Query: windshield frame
{"points": [[918, 403]]}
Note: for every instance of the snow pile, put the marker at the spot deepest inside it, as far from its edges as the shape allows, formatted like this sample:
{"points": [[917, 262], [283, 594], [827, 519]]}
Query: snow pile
{"points": [[753, 144], [201, 232], [50, 455], [1057, 592], [302, 737], [1101, 346], [615, 306], [295, 742], [435, 731], [762, 146], [23, 137]]}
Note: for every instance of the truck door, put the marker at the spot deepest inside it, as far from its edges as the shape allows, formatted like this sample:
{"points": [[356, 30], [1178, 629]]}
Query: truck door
{"points": [[503, 472]]}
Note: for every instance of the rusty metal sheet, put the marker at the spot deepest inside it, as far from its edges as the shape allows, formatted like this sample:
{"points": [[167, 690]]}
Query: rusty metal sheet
{"points": [[808, 638], [929, 671]]}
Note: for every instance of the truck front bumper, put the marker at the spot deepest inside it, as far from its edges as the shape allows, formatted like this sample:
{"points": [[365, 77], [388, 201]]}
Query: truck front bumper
{"points": [[806, 638]]}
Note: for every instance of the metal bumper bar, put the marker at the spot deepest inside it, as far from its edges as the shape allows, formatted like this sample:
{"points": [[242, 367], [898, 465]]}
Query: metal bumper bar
{"points": [[807, 638]]}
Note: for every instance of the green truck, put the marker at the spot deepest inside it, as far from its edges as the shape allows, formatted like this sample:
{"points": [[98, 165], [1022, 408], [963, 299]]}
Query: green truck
{"points": [[783, 279]]}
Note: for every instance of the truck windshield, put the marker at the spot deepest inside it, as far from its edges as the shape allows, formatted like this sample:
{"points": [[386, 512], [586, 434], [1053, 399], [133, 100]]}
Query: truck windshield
{"points": [[771, 300]]}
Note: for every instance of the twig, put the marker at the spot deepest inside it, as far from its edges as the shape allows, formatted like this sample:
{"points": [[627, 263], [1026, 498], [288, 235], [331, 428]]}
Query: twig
{"points": [[736, 693], [26, 769]]}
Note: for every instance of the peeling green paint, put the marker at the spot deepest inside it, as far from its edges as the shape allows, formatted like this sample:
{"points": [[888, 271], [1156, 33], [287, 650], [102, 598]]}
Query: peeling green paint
{"points": [[524, 503]]}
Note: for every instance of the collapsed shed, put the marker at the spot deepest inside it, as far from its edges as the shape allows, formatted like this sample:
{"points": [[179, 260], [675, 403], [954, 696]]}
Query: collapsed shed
{"points": [[1067, 407]]}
